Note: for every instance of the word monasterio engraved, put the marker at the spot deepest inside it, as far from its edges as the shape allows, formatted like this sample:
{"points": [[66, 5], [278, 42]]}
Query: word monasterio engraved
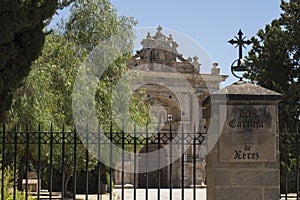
{"points": [[246, 119]]}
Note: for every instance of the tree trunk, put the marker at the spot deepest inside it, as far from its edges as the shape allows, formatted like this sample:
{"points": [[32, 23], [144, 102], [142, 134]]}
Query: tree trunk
{"points": [[21, 173], [66, 183]]}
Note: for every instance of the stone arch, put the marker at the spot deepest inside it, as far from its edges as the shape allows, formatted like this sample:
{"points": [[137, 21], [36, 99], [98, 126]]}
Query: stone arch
{"points": [[162, 102]]}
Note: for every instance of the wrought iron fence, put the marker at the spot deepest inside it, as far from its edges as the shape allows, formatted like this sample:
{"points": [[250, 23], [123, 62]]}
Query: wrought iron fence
{"points": [[289, 165], [62, 162]]}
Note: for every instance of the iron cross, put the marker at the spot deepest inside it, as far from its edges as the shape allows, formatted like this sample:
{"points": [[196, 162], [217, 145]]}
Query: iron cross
{"points": [[240, 41]]}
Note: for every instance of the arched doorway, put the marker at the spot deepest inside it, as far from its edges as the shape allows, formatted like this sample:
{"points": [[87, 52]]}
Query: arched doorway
{"points": [[153, 176], [162, 102]]}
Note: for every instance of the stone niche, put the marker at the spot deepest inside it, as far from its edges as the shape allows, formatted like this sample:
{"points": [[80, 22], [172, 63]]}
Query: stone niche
{"points": [[243, 159]]}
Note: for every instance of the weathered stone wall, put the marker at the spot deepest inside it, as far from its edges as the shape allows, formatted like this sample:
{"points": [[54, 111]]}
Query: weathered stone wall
{"points": [[239, 180], [244, 162]]}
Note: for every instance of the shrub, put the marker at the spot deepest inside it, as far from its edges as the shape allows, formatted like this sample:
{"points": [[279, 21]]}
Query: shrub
{"points": [[9, 186]]}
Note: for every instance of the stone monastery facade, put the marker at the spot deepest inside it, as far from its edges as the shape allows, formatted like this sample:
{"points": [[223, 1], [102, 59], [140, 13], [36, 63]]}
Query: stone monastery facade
{"points": [[174, 85]]}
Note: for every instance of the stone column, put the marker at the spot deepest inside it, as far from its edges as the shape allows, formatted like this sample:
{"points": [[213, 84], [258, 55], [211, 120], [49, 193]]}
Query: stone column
{"points": [[243, 157]]}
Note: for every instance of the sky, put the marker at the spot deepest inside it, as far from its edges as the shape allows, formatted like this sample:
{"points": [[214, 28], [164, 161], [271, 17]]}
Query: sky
{"points": [[209, 23]]}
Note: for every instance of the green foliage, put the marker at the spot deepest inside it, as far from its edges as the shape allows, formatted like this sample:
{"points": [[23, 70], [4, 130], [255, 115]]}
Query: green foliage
{"points": [[93, 21], [107, 181], [291, 170], [9, 186], [21, 41], [289, 148], [276, 57], [276, 65], [45, 95]]}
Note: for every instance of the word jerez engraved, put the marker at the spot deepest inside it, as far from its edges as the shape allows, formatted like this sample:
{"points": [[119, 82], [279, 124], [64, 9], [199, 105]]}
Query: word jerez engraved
{"points": [[247, 154], [247, 119]]}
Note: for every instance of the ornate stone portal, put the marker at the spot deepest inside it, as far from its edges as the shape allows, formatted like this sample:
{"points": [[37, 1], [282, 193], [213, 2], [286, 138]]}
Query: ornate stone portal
{"points": [[165, 77]]}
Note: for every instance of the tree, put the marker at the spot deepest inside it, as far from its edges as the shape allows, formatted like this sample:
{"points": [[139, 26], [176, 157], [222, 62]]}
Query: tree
{"points": [[91, 23], [44, 98], [45, 95], [21, 41], [275, 58]]}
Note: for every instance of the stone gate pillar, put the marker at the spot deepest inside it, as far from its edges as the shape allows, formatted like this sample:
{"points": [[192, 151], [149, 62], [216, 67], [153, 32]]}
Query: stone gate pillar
{"points": [[243, 149]]}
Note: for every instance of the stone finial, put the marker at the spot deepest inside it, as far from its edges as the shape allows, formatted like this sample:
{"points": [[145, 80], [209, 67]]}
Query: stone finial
{"points": [[158, 34], [196, 63], [215, 70], [159, 28], [189, 59], [170, 39], [174, 46], [215, 64], [195, 58], [148, 36]]}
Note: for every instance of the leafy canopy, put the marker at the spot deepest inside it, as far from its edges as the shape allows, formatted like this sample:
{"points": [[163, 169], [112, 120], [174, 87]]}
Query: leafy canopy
{"points": [[45, 95], [276, 58], [21, 41]]}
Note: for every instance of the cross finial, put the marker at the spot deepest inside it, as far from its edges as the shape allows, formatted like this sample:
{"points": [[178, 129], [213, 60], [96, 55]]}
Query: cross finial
{"points": [[242, 65], [159, 28], [240, 41]]}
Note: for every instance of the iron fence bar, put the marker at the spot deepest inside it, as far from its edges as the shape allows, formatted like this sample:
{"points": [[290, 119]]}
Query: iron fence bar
{"points": [[15, 162], [3, 162], [63, 163], [158, 156], [286, 172], [27, 160], [99, 165], [75, 164], [39, 162], [123, 160], [13, 138], [182, 166], [110, 156], [170, 186], [87, 162], [194, 165], [147, 149], [297, 164], [117, 138], [134, 163], [51, 161]]}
